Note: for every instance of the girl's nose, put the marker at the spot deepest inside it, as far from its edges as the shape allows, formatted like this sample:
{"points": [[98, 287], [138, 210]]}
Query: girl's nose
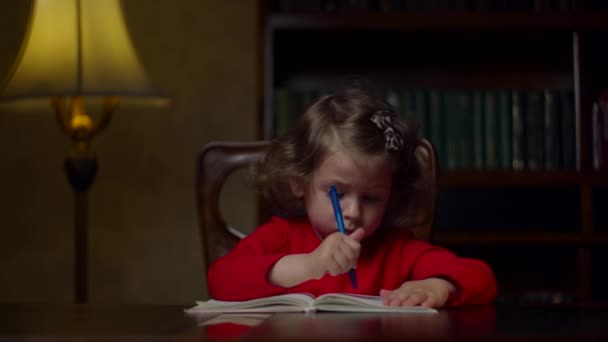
{"points": [[351, 211]]}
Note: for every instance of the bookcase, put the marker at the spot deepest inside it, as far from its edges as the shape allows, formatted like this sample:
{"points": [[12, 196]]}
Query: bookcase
{"points": [[505, 90]]}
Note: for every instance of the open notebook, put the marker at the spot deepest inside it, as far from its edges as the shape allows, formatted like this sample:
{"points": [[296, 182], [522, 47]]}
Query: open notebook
{"points": [[303, 302]]}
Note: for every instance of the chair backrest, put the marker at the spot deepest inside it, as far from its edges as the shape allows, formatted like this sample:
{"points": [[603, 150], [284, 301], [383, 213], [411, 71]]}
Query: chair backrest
{"points": [[217, 160]]}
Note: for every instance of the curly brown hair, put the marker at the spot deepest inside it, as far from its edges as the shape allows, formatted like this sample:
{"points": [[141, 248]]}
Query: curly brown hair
{"points": [[345, 116]]}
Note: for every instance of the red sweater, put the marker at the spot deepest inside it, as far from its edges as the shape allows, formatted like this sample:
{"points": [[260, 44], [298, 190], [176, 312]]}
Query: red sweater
{"points": [[386, 261]]}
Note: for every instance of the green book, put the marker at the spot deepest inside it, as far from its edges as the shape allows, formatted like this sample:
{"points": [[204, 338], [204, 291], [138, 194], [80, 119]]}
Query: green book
{"points": [[420, 98], [463, 127], [290, 104], [283, 102], [393, 98], [467, 129], [518, 147], [505, 132], [551, 129], [453, 127], [534, 130], [306, 98], [568, 129], [406, 101], [475, 139], [408, 108], [436, 124], [490, 129]]}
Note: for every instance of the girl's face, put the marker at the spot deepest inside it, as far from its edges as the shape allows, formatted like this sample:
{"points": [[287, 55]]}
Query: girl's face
{"points": [[364, 187]]}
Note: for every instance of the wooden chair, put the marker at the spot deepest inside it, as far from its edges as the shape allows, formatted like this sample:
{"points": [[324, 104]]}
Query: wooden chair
{"points": [[217, 160]]}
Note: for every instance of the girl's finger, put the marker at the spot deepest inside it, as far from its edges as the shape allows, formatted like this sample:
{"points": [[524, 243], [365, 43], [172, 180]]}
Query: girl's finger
{"points": [[398, 297], [353, 244], [414, 299], [333, 267], [348, 252], [385, 293], [430, 302], [344, 261]]}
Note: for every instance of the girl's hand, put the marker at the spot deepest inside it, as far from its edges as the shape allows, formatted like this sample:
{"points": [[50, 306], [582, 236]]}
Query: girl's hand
{"points": [[431, 292], [337, 254]]}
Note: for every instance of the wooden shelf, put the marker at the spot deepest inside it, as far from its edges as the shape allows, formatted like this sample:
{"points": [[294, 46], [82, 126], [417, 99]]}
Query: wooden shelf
{"points": [[597, 178], [484, 178], [441, 20], [521, 50], [536, 238], [508, 178]]}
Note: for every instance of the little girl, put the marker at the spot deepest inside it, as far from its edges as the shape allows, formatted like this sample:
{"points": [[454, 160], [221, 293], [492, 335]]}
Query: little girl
{"points": [[353, 141]]}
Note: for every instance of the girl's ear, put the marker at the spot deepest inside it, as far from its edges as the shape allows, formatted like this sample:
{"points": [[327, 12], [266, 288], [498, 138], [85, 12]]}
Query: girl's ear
{"points": [[297, 187]]}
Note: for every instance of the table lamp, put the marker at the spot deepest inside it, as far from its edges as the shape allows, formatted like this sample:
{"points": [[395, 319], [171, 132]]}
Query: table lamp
{"points": [[77, 54]]}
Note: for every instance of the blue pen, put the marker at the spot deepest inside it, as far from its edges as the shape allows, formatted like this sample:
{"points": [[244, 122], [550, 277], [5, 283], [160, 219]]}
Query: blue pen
{"points": [[335, 202]]}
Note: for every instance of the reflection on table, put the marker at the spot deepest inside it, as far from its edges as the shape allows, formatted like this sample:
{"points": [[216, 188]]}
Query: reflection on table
{"points": [[50, 322]]}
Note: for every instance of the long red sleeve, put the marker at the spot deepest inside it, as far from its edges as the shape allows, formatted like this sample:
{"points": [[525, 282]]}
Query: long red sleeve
{"points": [[473, 278], [242, 273], [387, 260]]}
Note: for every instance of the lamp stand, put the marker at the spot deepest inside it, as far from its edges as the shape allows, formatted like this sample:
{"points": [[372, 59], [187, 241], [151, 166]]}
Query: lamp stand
{"points": [[81, 171], [81, 168]]}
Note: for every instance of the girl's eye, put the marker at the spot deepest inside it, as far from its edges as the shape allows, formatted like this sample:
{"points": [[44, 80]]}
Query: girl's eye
{"points": [[372, 199], [340, 194]]}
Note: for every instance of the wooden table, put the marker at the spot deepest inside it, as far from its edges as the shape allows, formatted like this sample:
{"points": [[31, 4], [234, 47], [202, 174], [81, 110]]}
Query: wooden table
{"points": [[46, 322]]}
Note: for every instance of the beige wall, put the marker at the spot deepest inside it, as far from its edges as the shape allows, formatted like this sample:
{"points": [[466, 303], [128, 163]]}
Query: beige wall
{"points": [[144, 241]]}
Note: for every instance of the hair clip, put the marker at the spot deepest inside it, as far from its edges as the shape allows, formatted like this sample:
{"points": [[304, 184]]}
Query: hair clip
{"points": [[392, 139]]}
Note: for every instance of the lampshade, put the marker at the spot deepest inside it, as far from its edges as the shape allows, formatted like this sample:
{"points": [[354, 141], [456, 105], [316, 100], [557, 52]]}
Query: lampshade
{"points": [[77, 48]]}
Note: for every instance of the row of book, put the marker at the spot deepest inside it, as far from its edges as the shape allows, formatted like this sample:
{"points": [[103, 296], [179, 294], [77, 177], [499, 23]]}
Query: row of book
{"points": [[475, 129], [414, 5], [599, 122]]}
